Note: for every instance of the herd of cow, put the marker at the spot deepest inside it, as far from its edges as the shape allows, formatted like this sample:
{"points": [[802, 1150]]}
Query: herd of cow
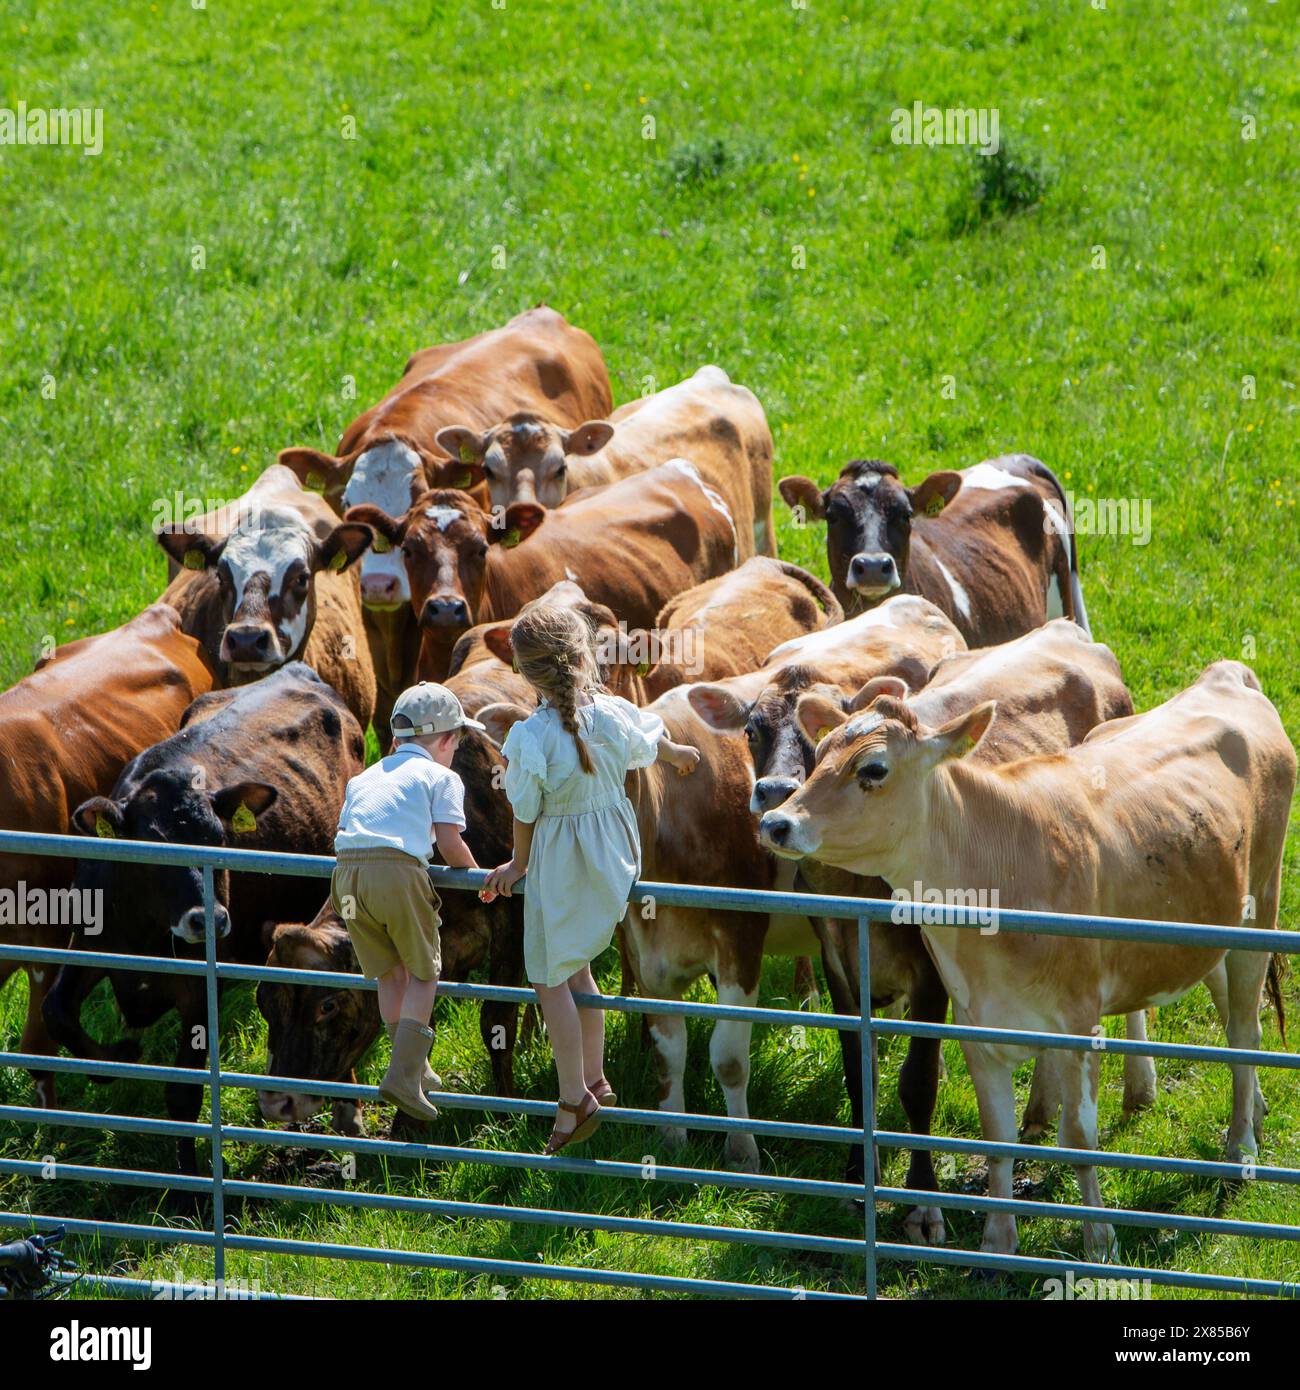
{"points": [[848, 737]]}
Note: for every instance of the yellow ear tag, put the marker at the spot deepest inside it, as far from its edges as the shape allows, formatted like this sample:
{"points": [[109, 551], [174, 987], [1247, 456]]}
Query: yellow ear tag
{"points": [[464, 479], [243, 822], [643, 668], [822, 732], [315, 481], [104, 827], [339, 560], [381, 545], [934, 506], [511, 538], [467, 454], [194, 560]]}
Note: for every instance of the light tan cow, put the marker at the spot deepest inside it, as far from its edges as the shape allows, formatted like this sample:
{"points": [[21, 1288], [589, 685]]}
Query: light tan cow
{"points": [[719, 426], [1178, 814]]}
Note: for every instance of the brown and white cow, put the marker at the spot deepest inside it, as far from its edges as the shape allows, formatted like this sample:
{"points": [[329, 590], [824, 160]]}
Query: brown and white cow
{"points": [[708, 419], [991, 546], [1178, 814], [631, 546], [277, 588], [261, 767], [388, 456], [727, 626], [65, 732]]}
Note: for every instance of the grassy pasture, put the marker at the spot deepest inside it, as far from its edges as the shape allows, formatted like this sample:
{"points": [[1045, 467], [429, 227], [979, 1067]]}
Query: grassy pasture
{"points": [[235, 274]]}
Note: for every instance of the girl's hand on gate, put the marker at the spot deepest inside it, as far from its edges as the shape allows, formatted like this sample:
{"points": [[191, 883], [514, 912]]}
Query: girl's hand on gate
{"points": [[500, 881]]}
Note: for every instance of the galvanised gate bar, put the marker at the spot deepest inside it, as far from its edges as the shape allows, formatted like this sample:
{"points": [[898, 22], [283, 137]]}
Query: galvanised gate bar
{"points": [[868, 1249]]}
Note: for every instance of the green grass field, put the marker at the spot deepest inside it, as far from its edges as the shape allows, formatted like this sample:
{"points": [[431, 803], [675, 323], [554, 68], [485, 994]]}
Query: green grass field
{"points": [[501, 157]]}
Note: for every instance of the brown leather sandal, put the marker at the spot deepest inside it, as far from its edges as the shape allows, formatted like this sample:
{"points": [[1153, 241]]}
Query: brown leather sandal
{"points": [[586, 1126], [603, 1091]]}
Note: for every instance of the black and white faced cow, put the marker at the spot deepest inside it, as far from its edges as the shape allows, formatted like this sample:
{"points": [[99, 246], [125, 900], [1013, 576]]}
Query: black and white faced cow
{"points": [[266, 569], [991, 546], [262, 767]]}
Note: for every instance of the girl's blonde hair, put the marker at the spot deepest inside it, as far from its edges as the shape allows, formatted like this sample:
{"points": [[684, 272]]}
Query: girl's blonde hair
{"points": [[555, 653]]}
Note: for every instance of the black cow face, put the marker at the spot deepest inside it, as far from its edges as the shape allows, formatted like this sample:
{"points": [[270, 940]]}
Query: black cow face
{"points": [[147, 902], [869, 514]]}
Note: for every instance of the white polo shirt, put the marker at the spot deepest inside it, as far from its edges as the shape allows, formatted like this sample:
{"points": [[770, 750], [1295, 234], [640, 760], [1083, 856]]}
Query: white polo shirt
{"points": [[396, 802]]}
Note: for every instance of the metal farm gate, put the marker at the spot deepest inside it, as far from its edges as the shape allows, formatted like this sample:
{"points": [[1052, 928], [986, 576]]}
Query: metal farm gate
{"points": [[868, 1249]]}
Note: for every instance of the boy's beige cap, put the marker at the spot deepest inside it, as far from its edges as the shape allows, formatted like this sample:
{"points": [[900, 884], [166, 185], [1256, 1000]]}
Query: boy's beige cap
{"points": [[432, 709]]}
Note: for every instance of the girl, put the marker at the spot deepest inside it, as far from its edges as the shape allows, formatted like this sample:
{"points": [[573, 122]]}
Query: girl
{"points": [[576, 837]]}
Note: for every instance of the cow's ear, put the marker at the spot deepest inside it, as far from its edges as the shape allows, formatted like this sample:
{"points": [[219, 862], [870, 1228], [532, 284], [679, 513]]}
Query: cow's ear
{"points": [[497, 641], [193, 549], [933, 495], [269, 928], [817, 715], [498, 719], [317, 472], [521, 520], [344, 545], [388, 531], [801, 493], [588, 437], [466, 447], [454, 472], [878, 685], [98, 816], [240, 804], [718, 707], [960, 736]]}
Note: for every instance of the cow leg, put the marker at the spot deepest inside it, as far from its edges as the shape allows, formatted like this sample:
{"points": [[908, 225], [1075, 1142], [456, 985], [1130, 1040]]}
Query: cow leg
{"points": [[1044, 1097], [36, 1034], [184, 1101], [1139, 1072], [729, 1056], [498, 1020], [991, 1071], [1079, 1073], [918, 1092], [841, 981], [1245, 978], [805, 983]]}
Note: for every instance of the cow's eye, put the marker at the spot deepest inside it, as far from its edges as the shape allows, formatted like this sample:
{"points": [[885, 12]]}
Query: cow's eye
{"points": [[751, 733], [301, 581], [872, 774], [327, 1007]]}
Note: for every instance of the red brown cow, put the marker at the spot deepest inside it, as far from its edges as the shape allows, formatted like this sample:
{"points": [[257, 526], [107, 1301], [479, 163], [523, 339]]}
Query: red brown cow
{"points": [[991, 546], [277, 588], [65, 733], [389, 455], [719, 426], [631, 546]]}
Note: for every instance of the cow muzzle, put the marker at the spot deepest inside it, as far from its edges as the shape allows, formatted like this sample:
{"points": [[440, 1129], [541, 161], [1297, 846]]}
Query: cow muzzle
{"points": [[874, 575], [190, 927], [770, 792], [783, 835], [382, 591], [444, 610], [251, 647]]}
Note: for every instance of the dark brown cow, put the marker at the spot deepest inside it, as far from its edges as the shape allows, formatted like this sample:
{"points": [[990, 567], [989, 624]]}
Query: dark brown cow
{"points": [[727, 626], [262, 767], [389, 455], [631, 546], [277, 589], [991, 546], [708, 419], [65, 733]]}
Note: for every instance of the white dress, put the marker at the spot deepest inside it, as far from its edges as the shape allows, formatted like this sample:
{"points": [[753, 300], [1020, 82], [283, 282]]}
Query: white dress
{"points": [[586, 852]]}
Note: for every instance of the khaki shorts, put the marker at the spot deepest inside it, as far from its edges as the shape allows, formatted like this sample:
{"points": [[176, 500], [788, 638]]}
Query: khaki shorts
{"points": [[390, 910]]}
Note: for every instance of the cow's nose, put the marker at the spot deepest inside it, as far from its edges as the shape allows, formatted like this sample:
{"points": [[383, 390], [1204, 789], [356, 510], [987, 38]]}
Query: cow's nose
{"points": [[772, 791], [248, 642], [380, 588], [190, 927], [774, 829], [874, 571], [446, 611]]}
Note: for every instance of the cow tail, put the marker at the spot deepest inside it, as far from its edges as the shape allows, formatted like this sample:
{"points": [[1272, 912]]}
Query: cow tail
{"points": [[1277, 968], [1078, 611]]}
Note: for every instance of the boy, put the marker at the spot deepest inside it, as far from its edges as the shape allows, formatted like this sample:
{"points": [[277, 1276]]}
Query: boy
{"points": [[391, 813]]}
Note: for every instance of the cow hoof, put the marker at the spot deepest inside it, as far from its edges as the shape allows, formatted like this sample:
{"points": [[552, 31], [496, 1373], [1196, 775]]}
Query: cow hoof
{"points": [[1135, 1101], [1100, 1243], [742, 1153], [1032, 1129], [674, 1137], [924, 1226], [1244, 1151]]}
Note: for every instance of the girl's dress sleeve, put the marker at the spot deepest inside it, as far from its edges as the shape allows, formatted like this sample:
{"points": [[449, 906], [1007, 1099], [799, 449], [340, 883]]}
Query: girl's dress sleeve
{"points": [[643, 732], [525, 771]]}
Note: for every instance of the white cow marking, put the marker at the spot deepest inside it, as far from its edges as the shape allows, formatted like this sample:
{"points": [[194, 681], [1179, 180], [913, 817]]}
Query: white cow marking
{"points": [[385, 476], [277, 543], [715, 499], [991, 478], [959, 595], [443, 517]]}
